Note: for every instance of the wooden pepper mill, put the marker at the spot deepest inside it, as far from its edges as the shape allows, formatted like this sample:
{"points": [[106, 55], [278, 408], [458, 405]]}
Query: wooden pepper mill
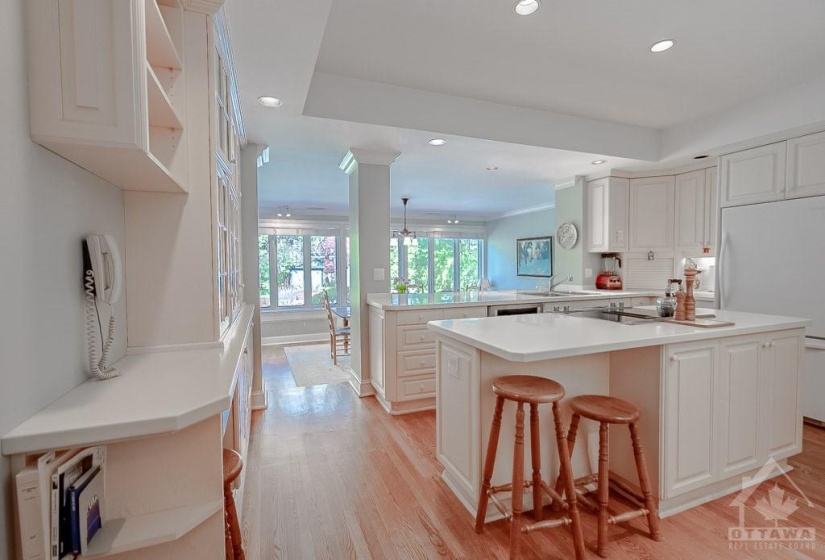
{"points": [[690, 302], [679, 314]]}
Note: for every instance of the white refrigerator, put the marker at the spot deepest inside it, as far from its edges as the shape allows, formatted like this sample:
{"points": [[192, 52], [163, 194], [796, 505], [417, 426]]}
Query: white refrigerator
{"points": [[772, 260]]}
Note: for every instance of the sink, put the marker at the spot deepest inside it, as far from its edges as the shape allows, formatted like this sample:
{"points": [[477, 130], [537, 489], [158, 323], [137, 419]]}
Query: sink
{"points": [[544, 293]]}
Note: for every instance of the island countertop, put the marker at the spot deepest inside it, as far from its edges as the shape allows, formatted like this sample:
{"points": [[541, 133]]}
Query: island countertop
{"points": [[476, 297], [528, 338]]}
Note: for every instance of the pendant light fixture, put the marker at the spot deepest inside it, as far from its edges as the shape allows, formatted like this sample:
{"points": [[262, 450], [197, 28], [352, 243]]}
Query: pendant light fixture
{"points": [[406, 236]]}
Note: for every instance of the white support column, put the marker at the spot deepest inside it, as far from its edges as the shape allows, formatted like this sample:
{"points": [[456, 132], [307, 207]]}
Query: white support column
{"points": [[248, 180], [369, 222]]}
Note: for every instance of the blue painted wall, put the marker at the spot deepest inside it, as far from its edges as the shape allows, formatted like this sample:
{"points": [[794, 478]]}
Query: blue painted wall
{"points": [[501, 247]]}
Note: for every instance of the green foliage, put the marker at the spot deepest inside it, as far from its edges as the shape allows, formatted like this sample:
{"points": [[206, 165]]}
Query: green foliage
{"points": [[263, 263]]}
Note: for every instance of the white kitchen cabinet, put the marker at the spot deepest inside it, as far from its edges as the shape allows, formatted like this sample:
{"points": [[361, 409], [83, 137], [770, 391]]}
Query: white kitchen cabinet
{"points": [[689, 395], [651, 213], [740, 376], [107, 90], [696, 212], [806, 166], [402, 355], [607, 218], [783, 354], [729, 406], [753, 176], [711, 209]]}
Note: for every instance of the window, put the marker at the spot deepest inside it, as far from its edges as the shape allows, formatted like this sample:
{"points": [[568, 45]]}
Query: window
{"points": [[296, 268], [437, 264]]}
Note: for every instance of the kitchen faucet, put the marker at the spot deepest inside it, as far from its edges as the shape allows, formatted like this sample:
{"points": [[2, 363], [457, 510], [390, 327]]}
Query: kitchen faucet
{"points": [[553, 285]]}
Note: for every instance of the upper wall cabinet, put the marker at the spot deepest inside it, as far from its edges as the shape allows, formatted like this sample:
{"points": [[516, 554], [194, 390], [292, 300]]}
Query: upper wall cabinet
{"points": [[106, 88], [806, 166], [753, 176], [695, 226], [606, 222], [651, 213]]}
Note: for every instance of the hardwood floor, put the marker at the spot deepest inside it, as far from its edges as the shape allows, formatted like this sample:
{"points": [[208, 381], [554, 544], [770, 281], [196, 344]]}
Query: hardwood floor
{"points": [[331, 476]]}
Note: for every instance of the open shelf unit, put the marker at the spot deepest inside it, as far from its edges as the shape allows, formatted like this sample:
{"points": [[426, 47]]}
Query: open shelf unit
{"points": [[108, 91], [132, 533]]}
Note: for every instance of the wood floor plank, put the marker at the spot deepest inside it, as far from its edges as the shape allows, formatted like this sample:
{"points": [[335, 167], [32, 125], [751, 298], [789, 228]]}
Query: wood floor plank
{"points": [[331, 476]]}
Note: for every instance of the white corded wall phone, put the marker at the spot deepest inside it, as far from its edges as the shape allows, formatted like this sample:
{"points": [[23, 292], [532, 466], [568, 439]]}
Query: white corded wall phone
{"points": [[103, 281]]}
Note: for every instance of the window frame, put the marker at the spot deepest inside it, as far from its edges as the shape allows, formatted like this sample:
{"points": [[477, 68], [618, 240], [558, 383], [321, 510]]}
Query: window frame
{"points": [[456, 239], [341, 237]]}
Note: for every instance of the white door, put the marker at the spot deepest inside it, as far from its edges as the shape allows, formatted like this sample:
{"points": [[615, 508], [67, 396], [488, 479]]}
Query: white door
{"points": [[782, 358], [753, 176], [711, 209], [806, 166], [738, 416], [651, 213], [597, 215], [688, 410], [691, 210]]}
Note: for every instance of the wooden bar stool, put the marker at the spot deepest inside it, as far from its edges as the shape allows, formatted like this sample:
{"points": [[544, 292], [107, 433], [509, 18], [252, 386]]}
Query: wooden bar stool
{"points": [[533, 391], [232, 466], [606, 411]]}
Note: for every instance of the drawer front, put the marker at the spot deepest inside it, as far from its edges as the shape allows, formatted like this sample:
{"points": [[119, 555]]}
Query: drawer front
{"points": [[465, 312], [419, 388], [421, 317], [415, 363], [415, 337]]}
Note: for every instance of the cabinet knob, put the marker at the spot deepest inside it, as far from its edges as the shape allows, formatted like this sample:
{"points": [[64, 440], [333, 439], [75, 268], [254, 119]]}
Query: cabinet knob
{"points": [[673, 359]]}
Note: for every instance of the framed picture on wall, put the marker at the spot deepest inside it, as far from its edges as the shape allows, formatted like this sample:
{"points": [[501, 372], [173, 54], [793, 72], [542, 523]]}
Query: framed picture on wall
{"points": [[534, 256]]}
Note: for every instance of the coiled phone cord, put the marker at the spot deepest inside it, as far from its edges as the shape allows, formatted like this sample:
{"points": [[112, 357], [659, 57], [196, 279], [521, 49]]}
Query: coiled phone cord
{"points": [[100, 368]]}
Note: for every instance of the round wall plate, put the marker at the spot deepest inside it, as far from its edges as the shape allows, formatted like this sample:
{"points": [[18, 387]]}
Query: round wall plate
{"points": [[567, 235]]}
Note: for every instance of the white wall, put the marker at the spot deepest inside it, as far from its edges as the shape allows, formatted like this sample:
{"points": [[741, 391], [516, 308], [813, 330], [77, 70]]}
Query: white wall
{"points": [[501, 247], [798, 108], [48, 206]]}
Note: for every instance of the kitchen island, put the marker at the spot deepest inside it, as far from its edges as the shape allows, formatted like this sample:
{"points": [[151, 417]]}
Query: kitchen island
{"points": [[716, 403], [402, 350]]}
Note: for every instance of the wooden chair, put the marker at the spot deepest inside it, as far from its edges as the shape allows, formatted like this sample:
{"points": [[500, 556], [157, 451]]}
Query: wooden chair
{"points": [[532, 390], [610, 410], [232, 466], [339, 337]]}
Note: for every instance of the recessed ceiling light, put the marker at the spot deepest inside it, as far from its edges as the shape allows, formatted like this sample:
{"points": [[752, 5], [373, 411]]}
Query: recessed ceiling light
{"points": [[526, 7], [437, 142], [661, 46], [492, 168], [269, 101], [599, 161]]}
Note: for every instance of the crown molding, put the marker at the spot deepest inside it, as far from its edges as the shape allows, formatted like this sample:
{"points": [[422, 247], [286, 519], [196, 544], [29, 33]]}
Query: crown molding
{"points": [[522, 211], [370, 157]]}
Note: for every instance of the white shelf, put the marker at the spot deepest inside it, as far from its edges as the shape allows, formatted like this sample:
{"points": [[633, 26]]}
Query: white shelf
{"points": [[122, 535], [161, 111], [160, 49]]}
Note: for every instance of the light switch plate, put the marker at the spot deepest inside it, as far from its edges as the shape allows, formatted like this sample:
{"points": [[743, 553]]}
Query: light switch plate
{"points": [[378, 274], [588, 273]]}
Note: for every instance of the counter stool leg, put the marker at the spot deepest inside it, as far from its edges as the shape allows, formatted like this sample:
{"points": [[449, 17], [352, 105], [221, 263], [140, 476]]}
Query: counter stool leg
{"points": [[535, 455], [566, 478], [571, 443], [604, 488], [518, 484], [489, 463], [644, 483]]}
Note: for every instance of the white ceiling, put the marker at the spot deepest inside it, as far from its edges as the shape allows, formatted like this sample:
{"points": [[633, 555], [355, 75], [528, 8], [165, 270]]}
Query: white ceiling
{"points": [[587, 58]]}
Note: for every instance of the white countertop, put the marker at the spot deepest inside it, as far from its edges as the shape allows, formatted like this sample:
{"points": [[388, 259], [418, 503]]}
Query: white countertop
{"points": [[477, 297], [155, 393], [528, 338]]}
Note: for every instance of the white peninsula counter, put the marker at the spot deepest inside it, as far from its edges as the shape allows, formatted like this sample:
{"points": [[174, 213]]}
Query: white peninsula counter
{"points": [[402, 350], [716, 402]]}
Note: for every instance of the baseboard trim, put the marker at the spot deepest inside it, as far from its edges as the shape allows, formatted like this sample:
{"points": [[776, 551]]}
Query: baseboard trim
{"points": [[260, 399], [359, 387], [294, 339]]}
